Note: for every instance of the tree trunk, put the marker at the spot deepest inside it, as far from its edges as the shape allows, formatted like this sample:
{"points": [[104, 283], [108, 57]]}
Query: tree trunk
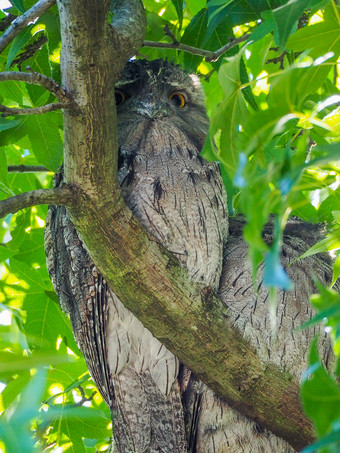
{"points": [[188, 318]]}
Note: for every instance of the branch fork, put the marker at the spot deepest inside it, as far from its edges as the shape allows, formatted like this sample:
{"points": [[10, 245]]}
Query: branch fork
{"points": [[35, 78]]}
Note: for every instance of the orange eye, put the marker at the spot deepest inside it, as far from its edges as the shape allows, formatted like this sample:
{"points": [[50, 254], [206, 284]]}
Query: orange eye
{"points": [[178, 99], [120, 97]]}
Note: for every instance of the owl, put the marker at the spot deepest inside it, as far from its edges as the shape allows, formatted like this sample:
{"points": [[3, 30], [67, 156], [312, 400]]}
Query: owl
{"points": [[181, 200], [157, 404]]}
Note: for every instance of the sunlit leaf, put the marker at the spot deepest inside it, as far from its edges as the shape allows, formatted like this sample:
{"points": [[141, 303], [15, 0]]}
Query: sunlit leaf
{"points": [[320, 394]]}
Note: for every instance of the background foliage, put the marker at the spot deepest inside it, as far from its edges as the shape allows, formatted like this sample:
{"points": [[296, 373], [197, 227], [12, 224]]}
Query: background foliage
{"points": [[274, 104]]}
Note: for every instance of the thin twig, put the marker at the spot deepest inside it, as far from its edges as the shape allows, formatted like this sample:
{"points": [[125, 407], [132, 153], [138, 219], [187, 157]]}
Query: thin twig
{"points": [[60, 195], [27, 169], [39, 79], [207, 54], [168, 32], [20, 23], [29, 51], [9, 111]]}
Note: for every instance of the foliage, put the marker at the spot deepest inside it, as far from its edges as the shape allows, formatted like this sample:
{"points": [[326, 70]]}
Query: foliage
{"points": [[274, 107]]}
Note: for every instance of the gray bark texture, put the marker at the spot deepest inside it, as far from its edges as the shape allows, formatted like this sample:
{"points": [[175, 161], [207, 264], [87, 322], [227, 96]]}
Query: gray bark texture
{"points": [[219, 429], [191, 417], [185, 316]]}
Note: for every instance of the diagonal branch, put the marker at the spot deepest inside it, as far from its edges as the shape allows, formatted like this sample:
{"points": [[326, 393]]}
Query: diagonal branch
{"points": [[207, 54], [20, 23], [62, 195], [9, 111], [35, 78]]}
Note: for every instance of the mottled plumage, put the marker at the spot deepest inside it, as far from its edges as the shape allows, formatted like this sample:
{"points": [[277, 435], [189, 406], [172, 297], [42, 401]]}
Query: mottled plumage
{"points": [[181, 200], [157, 404]]}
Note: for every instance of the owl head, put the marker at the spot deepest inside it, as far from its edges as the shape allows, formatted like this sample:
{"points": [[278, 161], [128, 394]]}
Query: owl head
{"points": [[159, 92]]}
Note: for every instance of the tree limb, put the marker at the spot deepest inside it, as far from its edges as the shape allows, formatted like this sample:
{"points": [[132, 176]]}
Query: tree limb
{"points": [[35, 78], [20, 23], [27, 169], [208, 54], [129, 24], [9, 111], [62, 195], [147, 278]]}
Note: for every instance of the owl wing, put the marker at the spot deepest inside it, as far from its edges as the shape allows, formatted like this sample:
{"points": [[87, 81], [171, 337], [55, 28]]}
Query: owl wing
{"points": [[125, 361], [83, 294], [213, 426]]}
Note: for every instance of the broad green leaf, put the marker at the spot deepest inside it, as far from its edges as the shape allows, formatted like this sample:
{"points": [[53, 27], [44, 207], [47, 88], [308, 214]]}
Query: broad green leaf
{"points": [[332, 242], [320, 394], [31, 250], [15, 426], [14, 388], [320, 38], [229, 114], [35, 278], [3, 166], [43, 132], [194, 36], [336, 269], [11, 363], [6, 123], [5, 253], [52, 28], [330, 204], [247, 92], [46, 323], [326, 441], [178, 4], [39, 63], [19, 4], [85, 421], [18, 43], [287, 16]]}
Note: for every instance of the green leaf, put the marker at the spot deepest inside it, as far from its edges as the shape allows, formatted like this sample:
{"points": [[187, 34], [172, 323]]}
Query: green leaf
{"points": [[46, 322], [330, 439], [194, 35], [19, 4], [35, 278], [178, 4], [332, 242], [247, 92], [320, 394], [14, 388], [336, 269], [31, 250], [39, 63], [286, 18], [18, 43], [228, 116], [43, 132], [320, 38], [6, 123], [330, 204], [3, 166], [11, 363]]}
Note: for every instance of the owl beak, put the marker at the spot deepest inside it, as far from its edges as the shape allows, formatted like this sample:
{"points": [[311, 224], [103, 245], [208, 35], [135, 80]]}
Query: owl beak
{"points": [[151, 110]]}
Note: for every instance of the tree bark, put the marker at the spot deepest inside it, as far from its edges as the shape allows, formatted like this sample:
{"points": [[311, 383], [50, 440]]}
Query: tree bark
{"points": [[189, 319]]}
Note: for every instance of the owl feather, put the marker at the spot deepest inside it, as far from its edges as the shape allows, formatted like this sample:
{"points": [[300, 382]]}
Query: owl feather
{"points": [[157, 404]]}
